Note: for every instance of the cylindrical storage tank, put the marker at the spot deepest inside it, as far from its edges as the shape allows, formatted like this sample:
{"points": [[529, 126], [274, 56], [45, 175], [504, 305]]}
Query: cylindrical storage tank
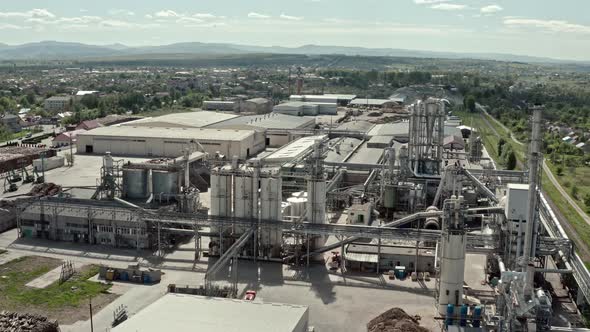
{"points": [[134, 183], [449, 314], [389, 196], [220, 195], [316, 201], [464, 310], [270, 209], [476, 316], [164, 183], [243, 197], [297, 206], [452, 267]]}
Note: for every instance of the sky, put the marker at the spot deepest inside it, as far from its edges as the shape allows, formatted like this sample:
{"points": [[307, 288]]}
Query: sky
{"points": [[548, 28]]}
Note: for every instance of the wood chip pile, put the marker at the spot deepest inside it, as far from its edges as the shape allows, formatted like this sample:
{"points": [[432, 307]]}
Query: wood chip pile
{"points": [[23, 322], [395, 320]]}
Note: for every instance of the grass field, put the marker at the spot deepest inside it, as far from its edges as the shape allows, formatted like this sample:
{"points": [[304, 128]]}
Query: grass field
{"points": [[578, 176], [65, 302]]}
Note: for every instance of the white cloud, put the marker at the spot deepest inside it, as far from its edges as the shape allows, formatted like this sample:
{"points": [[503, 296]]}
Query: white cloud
{"points": [[148, 16], [36, 13], [167, 13], [448, 6], [121, 12], [4, 26], [69, 20], [556, 26], [257, 15], [491, 9], [204, 15], [116, 24], [428, 2], [82, 10], [192, 20], [291, 18]]}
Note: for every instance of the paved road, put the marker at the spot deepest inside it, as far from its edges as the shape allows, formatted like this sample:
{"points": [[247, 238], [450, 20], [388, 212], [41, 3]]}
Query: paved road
{"points": [[562, 191]]}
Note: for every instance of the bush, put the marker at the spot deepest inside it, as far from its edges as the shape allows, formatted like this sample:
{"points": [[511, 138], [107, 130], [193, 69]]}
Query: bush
{"points": [[575, 191], [559, 171]]}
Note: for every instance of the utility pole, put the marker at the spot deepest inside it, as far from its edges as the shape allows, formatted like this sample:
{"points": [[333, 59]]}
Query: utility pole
{"points": [[71, 151], [90, 307]]}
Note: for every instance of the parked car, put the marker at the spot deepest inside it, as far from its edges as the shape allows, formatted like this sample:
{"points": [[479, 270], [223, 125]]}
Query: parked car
{"points": [[250, 295], [29, 135]]}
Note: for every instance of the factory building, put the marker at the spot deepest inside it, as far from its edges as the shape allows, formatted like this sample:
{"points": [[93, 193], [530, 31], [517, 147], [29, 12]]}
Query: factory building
{"points": [[221, 105], [256, 106], [159, 141], [338, 99], [97, 227], [197, 119], [301, 108], [280, 128], [373, 103], [57, 104], [364, 257], [182, 312]]}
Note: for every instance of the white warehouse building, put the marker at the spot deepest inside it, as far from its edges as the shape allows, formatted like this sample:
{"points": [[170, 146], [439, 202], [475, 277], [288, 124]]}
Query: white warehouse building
{"points": [[169, 142]]}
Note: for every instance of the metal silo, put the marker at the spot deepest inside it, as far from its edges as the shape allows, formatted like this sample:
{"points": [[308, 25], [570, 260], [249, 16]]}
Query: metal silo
{"points": [[271, 238], [134, 183], [164, 183]]}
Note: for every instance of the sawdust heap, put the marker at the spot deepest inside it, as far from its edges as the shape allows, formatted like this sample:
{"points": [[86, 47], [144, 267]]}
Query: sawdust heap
{"points": [[395, 320]]}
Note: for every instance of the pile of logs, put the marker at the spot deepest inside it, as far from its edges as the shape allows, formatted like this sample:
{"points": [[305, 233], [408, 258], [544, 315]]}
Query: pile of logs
{"points": [[23, 322], [45, 189]]}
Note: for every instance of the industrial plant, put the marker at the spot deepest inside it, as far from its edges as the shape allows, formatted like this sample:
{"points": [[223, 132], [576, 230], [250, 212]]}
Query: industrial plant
{"points": [[407, 199]]}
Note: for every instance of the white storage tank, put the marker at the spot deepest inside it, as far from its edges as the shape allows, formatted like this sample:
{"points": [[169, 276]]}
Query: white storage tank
{"points": [[134, 183], [271, 209], [164, 183], [220, 195], [298, 205], [243, 196]]}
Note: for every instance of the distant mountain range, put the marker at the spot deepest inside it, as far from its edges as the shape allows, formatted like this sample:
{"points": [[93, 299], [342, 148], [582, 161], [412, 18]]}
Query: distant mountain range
{"points": [[54, 50]]}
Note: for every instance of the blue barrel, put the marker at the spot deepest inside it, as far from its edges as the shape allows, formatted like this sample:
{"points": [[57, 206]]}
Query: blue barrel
{"points": [[450, 314], [124, 276], [464, 310], [146, 278], [476, 316]]}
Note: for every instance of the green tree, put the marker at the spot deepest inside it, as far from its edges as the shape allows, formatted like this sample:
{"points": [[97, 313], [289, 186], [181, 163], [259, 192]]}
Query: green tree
{"points": [[587, 200], [501, 143], [559, 171], [469, 103], [510, 160], [575, 191], [90, 101]]}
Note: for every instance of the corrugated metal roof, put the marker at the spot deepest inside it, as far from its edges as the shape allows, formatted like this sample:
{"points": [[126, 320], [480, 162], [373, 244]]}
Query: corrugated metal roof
{"points": [[196, 119], [163, 132], [270, 120]]}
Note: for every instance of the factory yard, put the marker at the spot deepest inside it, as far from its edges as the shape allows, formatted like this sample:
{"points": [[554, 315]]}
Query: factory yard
{"points": [[65, 302], [333, 299]]}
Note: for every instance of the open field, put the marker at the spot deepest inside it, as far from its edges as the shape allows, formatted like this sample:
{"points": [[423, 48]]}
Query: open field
{"points": [[574, 176], [66, 302]]}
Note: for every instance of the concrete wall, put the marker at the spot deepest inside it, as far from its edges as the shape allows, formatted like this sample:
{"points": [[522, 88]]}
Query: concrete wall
{"points": [[158, 147], [303, 324]]}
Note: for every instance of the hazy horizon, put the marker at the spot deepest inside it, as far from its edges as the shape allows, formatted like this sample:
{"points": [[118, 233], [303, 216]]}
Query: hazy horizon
{"points": [[541, 28]]}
